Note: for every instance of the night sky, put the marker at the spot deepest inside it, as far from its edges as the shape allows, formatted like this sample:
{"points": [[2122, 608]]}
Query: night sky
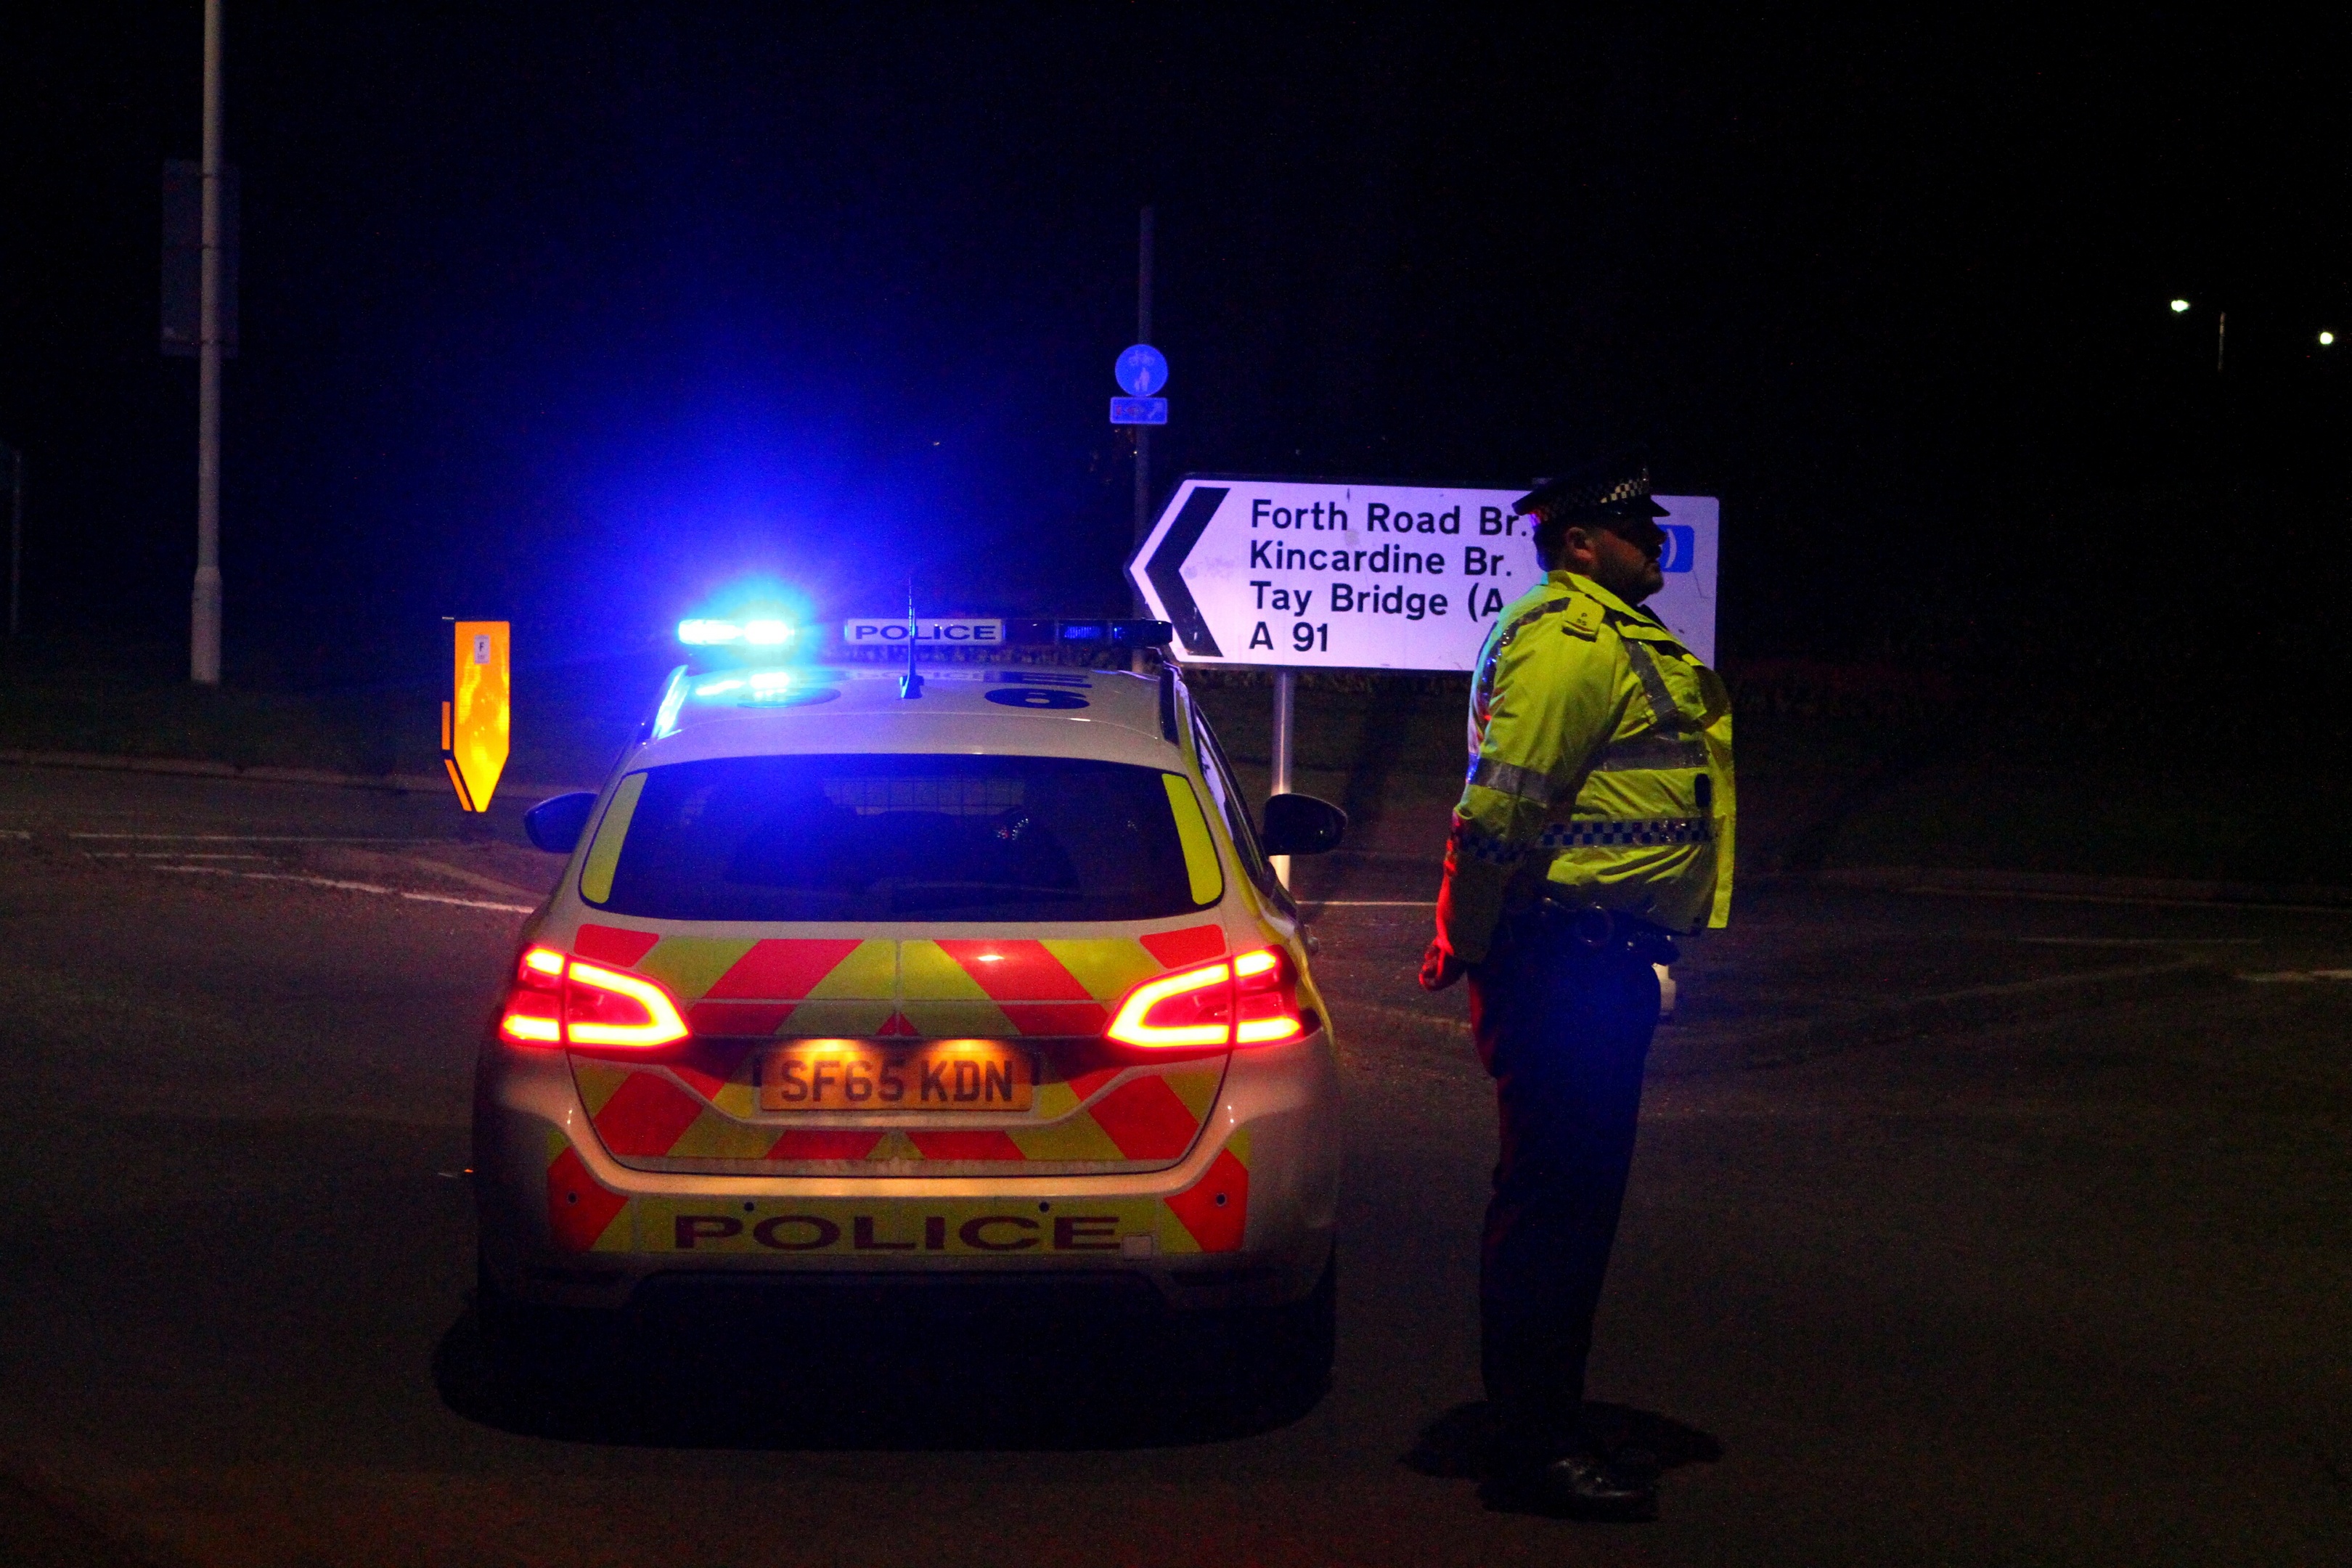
{"points": [[574, 314]]}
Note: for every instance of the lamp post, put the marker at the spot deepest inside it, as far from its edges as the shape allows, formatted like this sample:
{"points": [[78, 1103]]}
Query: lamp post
{"points": [[15, 540]]}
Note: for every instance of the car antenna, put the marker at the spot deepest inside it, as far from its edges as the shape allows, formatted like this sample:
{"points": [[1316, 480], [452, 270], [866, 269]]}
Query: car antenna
{"points": [[911, 683]]}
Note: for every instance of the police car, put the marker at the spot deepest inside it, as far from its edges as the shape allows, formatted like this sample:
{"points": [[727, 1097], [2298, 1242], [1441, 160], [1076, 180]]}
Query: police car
{"points": [[971, 973]]}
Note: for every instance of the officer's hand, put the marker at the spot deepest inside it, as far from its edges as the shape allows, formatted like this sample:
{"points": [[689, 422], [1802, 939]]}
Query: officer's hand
{"points": [[1439, 967]]}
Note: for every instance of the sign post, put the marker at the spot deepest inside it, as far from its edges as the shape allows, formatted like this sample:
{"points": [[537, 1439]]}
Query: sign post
{"points": [[15, 538], [478, 721], [1286, 703], [1138, 365], [204, 594], [1291, 574]]}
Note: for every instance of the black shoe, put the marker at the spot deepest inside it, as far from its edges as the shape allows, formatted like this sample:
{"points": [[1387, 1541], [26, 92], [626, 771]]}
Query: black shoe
{"points": [[1580, 1486]]}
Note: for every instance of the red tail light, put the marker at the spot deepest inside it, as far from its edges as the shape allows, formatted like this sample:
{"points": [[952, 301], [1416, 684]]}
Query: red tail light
{"points": [[1250, 1000], [559, 1001]]}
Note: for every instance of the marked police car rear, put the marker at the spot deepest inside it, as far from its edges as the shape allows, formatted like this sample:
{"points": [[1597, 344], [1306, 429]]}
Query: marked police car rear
{"points": [[993, 980]]}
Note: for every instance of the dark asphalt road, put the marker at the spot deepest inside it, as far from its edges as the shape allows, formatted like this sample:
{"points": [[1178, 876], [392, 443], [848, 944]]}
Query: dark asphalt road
{"points": [[2073, 1287]]}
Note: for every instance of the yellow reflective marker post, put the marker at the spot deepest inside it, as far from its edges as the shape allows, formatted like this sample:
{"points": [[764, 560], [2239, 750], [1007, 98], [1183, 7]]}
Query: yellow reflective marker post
{"points": [[477, 720]]}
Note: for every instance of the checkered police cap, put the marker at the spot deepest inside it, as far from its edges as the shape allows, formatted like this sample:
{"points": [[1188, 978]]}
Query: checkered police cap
{"points": [[1616, 488]]}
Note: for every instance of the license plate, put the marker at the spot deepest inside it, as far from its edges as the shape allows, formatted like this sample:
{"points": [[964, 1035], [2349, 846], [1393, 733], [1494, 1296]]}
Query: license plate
{"points": [[861, 1075]]}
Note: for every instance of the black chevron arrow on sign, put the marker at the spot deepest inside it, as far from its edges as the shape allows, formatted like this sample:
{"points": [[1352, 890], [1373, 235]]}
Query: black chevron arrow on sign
{"points": [[1166, 571]]}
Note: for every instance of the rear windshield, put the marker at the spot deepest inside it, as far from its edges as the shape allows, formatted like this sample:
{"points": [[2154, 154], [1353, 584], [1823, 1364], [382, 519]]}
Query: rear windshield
{"points": [[923, 837]]}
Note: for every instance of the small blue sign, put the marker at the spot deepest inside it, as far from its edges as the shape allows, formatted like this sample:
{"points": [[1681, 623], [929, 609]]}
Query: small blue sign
{"points": [[1140, 371], [1139, 411], [1682, 547]]}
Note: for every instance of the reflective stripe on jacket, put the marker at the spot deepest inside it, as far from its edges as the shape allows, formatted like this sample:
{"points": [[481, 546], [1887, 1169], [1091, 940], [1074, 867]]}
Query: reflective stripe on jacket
{"points": [[1600, 768]]}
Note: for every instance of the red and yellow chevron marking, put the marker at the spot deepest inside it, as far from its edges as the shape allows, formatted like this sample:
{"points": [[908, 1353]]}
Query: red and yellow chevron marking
{"points": [[1140, 1117], [946, 989], [813, 986], [581, 1209], [884, 987], [1212, 1215]]}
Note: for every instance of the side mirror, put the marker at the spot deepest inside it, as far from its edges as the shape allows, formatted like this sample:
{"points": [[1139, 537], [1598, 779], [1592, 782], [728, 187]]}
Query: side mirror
{"points": [[1302, 825], [556, 824]]}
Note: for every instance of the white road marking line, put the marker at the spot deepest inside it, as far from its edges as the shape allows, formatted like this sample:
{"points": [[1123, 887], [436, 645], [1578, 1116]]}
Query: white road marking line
{"points": [[2143, 901], [254, 838], [487, 884], [167, 855], [2141, 940], [352, 887], [14, 833], [471, 878], [2297, 976]]}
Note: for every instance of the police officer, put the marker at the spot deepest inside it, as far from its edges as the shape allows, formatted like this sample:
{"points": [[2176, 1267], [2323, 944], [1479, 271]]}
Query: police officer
{"points": [[1596, 826]]}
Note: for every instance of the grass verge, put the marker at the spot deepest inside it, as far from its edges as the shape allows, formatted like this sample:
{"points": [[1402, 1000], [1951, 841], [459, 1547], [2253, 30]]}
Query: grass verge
{"points": [[1839, 765]]}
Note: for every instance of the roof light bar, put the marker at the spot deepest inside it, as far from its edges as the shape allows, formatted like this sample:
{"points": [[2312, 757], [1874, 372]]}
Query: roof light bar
{"points": [[1089, 634], [762, 632]]}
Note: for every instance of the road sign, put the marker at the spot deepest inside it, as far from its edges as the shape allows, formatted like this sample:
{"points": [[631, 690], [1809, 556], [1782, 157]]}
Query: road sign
{"points": [[1141, 371], [1139, 411], [1365, 574], [476, 722]]}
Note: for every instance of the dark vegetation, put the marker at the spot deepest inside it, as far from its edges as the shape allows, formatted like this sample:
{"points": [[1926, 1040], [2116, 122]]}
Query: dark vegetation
{"points": [[2189, 766]]}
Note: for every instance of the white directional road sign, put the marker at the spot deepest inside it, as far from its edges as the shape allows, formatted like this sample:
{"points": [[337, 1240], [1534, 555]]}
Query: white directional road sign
{"points": [[1359, 574]]}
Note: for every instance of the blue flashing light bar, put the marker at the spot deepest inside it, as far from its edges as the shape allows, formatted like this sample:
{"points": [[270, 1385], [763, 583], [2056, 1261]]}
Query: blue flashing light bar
{"points": [[763, 632], [1086, 635]]}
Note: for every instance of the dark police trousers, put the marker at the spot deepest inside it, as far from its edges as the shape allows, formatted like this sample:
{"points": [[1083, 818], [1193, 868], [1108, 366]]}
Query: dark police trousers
{"points": [[1565, 1030]]}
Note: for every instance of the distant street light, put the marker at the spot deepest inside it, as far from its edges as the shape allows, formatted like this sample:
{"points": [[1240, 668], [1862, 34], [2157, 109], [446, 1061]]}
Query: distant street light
{"points": [[2178, 306], [2325, 338]]}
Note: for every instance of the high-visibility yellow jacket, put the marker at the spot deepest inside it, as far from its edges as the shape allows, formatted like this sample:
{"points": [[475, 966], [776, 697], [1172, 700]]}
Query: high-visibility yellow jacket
{"points": [[1600, 771]]}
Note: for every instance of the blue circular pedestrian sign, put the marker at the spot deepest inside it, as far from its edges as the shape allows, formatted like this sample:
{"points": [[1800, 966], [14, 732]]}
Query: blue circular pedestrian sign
{"points": [[1140, 371]]}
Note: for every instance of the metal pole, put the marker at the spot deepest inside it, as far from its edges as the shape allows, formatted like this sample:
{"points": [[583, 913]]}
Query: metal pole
{"points": [[1286, 694], [15, 540], [2221, 342], [1142, 432], [204, 601]]}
